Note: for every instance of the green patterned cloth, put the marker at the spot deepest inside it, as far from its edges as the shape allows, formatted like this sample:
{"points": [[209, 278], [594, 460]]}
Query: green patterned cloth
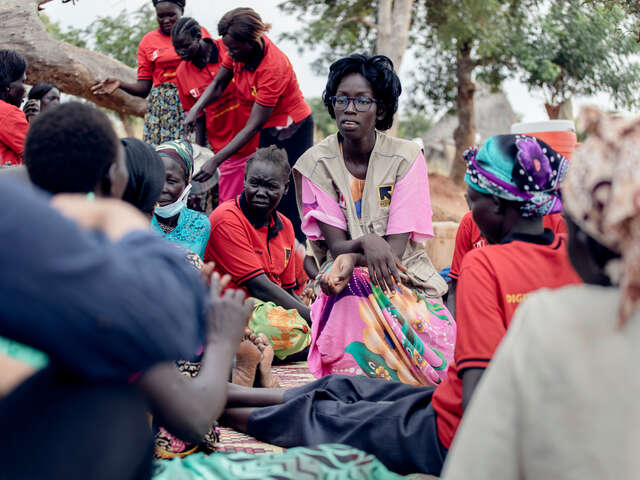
{"points": [[332, 461], [287, 331], [23, 353], [164, 120]]}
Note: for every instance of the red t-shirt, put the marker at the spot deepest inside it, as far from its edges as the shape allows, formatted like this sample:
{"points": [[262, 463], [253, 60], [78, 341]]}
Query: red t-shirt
{"points": [[226, 116], [494, 280], [272, 83], [157, 59], [244, 252], [469, 237], [13, 132]]}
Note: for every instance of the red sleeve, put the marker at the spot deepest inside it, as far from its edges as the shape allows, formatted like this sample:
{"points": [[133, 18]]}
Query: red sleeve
{"points": [[463, 245], [289, 279], [186, 100], [145, 66], [14, 131], [227, 62], [479, 313], [556, 223], [272, 83], [230, 248]]}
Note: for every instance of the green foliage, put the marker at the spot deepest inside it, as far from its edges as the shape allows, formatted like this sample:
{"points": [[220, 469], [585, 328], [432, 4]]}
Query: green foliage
{"points": [[414, 124], [324, 124], [583, 50], [117, 36]]}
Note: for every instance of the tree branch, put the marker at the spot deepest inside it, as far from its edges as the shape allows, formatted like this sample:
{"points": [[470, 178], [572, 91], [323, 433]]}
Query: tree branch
{"points": [[362, 20]]}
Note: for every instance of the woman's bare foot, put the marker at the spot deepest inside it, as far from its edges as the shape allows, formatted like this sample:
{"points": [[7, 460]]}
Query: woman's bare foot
{"points": [[267, 378], [247, 358]]}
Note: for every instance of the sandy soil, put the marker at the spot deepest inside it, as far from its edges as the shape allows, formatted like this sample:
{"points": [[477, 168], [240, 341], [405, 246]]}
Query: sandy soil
{"points": [[447, 199]]}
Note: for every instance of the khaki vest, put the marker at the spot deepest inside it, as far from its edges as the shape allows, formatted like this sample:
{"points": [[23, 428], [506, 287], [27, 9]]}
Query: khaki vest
{"points": [[390, 160]]}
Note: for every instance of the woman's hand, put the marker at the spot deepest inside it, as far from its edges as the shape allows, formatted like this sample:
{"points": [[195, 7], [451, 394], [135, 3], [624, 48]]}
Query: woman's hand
{"points": [[382, 262], [190, 121], [229, 313], [338, 276], [31, 109], [106, 87], [207, 170]]}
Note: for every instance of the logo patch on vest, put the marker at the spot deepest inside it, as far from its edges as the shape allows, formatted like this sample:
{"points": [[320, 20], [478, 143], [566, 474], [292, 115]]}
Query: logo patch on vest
{"points": [[384, 195], [287, 255]]}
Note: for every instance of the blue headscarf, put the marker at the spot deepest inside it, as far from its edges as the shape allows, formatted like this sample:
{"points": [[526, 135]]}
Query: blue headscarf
{"points": [[518, 168]]}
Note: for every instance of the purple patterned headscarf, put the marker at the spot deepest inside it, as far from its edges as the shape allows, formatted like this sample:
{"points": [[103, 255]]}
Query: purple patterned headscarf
{"points": [[518, 168]]}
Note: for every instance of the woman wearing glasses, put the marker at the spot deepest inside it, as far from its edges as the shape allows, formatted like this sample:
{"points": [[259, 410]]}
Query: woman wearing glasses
{"points": [[266, 83], [364, 201]]}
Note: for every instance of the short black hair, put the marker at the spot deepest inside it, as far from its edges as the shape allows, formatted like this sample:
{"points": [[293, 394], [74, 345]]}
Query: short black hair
{"points": [[40, 89], [12, 67], [70, 148], [378, 70], [186, 25], [180, 3], [146, 174], [271, 154]]}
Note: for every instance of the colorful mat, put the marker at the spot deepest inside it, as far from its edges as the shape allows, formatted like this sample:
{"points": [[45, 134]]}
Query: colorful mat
{"points": [[289, 376]]}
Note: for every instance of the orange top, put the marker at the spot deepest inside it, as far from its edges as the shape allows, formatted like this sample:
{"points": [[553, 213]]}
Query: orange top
{"points": [[564, 143], [13, 133]]}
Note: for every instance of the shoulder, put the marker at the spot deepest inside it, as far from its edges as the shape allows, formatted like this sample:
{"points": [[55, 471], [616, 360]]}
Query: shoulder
{"points": [[150, 38], [183, 69], [227, 212], [388, 145], [12, 113], [274, 58], [196, 219], [326, 151], [482, 259], [467, 220]]}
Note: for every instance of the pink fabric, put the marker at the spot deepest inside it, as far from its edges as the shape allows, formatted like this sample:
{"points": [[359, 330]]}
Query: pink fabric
{"points": [[231, 178], [318, 205], [410, 209]]}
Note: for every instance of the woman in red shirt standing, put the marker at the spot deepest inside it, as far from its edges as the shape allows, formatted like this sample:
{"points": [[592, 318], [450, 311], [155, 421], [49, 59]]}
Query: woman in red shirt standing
{"points": [[221, 120], [157, 63], [265, 82], [13, 69]]}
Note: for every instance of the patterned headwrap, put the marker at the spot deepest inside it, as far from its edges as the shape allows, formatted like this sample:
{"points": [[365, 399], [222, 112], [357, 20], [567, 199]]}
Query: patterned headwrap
{"points": [[518, 168], [602, 195], [181, 152]]}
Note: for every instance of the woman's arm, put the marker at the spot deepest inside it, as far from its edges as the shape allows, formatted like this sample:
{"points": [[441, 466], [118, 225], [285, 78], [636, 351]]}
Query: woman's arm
{"points": [[259, 116], [139, 88], [379, 254], [201, 130], [264, 289], [211, 94], [188, 406]]}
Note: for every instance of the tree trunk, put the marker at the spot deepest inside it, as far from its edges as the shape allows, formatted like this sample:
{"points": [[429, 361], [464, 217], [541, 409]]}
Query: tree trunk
{"points": [[465, 132], [72, 69], [562, 111], [394, 22]]}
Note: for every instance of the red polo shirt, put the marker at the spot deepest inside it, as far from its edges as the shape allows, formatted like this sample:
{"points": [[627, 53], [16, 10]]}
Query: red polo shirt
{"points": [[226, 116], [469, 237], [270, 83], [157, 59], [493, 282], [13, 133], [244, 252]]}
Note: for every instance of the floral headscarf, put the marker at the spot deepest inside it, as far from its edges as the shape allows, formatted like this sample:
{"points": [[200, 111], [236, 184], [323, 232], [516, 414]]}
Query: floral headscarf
{"points": [[180, 151], [602, 195], [518, 168]]}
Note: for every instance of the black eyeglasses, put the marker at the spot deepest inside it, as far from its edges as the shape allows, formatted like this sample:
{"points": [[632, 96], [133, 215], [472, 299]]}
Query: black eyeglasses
{"points": [[361, 104]]}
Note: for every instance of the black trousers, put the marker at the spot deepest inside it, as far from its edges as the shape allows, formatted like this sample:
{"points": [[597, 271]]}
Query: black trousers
{"points": [[57, 427], [391, 420], [295, 145]]}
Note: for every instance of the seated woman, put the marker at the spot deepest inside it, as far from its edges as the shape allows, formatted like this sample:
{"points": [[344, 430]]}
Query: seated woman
{"points": [[536, 414], [254, 244], [410, 428], [172, 219], [364, 193]]}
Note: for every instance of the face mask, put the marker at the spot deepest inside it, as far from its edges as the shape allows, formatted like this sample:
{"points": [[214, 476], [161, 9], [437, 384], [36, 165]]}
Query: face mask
{"points": [[174, 208]]}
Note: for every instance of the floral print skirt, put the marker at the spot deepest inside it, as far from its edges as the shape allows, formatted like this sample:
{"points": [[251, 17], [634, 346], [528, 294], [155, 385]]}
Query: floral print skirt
{"points": [[164, 120], [361, 331]]}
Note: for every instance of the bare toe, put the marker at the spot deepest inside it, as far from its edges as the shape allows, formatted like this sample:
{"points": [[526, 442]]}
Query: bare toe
{"points": [[248, 357]]}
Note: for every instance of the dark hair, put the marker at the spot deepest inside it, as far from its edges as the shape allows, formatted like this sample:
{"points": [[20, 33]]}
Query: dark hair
{"points": [[146, 174], [271, 154], [180, 3], [12, 67], [186, 25], [246, 24], [378, 70], [70, 148], [40, 89]]}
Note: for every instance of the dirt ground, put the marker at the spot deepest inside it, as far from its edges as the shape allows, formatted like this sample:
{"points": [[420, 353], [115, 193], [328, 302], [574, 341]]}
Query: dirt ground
{"points": [[447, 199]]}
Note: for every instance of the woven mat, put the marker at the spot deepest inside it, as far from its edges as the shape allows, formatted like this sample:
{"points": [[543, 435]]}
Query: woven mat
{"points": [[292, 375]]}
